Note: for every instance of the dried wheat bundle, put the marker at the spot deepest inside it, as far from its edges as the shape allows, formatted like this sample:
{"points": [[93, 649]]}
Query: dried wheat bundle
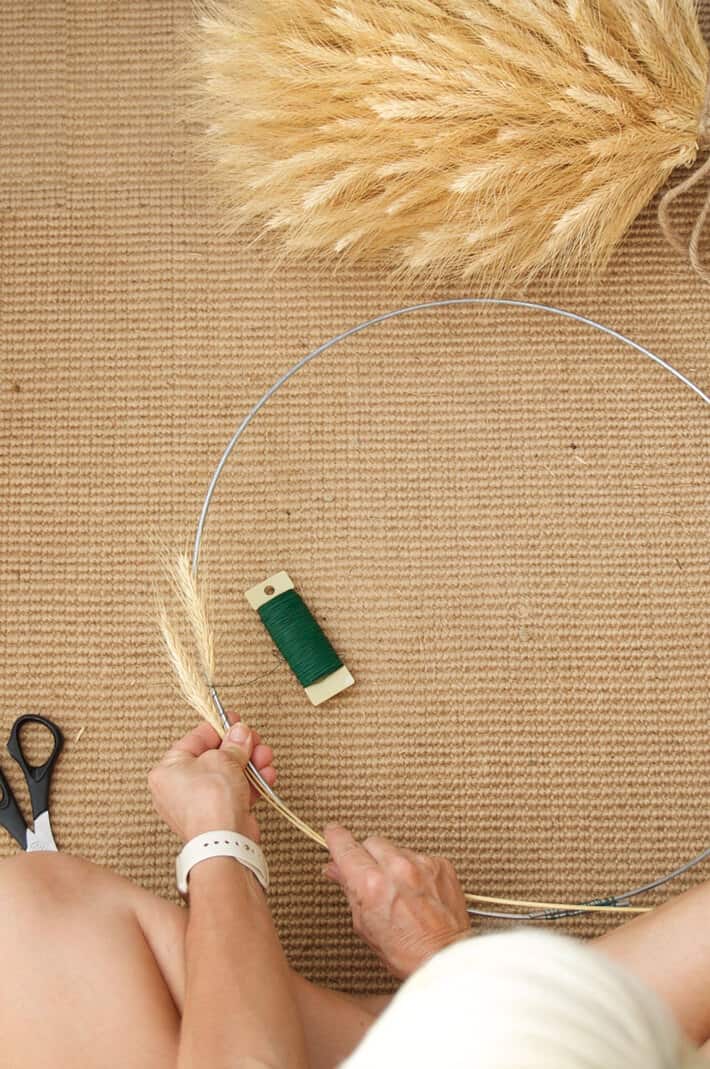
{"points": [[486, 139]]}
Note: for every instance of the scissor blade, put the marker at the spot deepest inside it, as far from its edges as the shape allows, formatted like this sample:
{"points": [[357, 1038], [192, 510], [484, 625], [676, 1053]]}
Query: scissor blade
{"points": [[40, 838]]}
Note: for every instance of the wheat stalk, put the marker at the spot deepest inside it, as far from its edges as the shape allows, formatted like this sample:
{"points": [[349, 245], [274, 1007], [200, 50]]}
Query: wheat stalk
{"points": [[422, 130], [192, 593], [191, 682]]}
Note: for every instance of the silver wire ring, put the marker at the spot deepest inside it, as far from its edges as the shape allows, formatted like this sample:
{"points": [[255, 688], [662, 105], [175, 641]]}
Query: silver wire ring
{"points": [[610, 900]]}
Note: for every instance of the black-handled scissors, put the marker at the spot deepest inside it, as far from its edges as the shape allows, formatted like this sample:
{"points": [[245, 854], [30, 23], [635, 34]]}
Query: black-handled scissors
{"points": [[38, 779]]}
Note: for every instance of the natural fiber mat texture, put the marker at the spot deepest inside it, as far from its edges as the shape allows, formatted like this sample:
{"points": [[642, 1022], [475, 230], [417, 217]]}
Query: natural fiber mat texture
{"points": [[500, 519]]}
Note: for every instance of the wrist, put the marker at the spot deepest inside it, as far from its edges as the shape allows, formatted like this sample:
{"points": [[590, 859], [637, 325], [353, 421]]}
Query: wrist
{"points": [[204, 826], [220, 844], [223, 878], [221, 870], [428, 948]]}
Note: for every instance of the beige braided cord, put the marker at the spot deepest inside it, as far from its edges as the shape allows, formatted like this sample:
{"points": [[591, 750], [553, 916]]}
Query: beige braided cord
{"points": [[690, 247]]}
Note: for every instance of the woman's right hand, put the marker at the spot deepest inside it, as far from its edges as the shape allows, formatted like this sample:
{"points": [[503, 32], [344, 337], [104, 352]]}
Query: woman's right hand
{"points": [[405, 906]]}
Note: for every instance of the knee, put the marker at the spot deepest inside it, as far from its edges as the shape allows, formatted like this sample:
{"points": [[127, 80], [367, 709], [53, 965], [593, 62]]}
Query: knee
{"points": [[33, 884]]}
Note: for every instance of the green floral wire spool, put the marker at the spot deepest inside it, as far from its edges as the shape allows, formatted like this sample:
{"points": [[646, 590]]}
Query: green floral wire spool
{"points": [[307, 650], [299, 637]]}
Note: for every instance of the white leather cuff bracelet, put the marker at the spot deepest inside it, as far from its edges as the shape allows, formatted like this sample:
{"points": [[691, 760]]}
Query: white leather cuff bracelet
{"points": [[221, 844]]}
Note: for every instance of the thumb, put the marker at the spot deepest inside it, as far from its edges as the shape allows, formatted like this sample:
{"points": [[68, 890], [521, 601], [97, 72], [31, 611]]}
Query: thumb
{"points": [[331, 872], [238, 743]]}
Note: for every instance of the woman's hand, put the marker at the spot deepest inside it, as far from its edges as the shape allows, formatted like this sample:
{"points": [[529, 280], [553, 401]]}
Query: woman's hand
{"points": [[200, 785], [405, 906]]}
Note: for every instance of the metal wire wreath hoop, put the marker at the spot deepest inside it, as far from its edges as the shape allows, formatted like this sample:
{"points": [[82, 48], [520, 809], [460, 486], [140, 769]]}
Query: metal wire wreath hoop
{"points": [[537, 910]]}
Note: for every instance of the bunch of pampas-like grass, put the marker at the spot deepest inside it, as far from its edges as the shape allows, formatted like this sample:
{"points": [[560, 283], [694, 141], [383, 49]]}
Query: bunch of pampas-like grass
{"points": [[458, 139]]}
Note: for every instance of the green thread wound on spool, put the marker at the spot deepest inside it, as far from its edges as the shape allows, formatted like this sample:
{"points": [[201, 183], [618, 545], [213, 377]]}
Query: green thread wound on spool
{"points": [[299, 637]]}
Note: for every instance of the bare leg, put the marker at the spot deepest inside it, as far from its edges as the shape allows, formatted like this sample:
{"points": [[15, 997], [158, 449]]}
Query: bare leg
{"points": [[334, 1023], [93, 971], [669, 950], [94, 975], [81, 985]]}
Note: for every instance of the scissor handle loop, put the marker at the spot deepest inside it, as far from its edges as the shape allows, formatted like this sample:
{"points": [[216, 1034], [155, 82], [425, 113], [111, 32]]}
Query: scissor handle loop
{"points": [[37, 776]]}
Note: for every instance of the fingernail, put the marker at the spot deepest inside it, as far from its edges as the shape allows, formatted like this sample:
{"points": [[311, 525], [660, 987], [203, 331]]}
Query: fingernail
{"points": [[239, 733]]}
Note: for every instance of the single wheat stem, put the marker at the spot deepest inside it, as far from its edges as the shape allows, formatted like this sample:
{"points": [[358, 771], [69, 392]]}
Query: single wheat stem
{"points": [[555, 905]]}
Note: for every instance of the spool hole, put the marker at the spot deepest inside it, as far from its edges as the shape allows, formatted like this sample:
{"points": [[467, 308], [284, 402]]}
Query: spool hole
{"points": [[269, 590]]}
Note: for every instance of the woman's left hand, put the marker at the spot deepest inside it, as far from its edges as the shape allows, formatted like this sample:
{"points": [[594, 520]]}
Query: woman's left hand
{"points": [[406, 906], [200, 784]]}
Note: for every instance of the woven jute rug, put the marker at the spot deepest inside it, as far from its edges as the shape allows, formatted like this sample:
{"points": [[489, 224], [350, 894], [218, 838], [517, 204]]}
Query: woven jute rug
{"points": [[501, 520]]}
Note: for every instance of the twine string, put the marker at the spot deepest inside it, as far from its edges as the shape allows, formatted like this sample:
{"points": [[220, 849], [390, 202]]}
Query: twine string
{"points": [[690, 247]]}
